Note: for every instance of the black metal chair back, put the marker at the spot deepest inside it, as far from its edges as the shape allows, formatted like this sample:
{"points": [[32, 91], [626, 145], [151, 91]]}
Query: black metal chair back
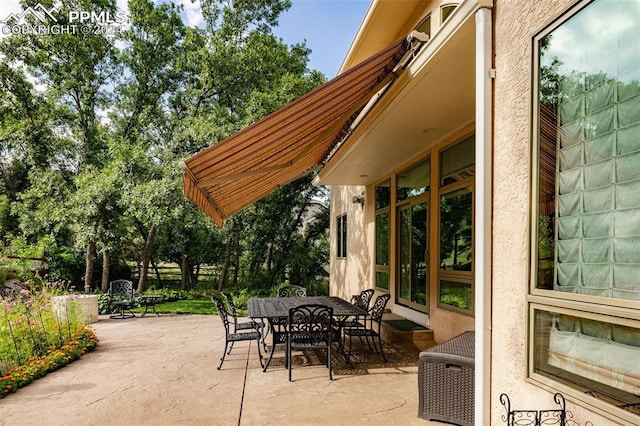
{"points": [[233, 311], [231, 338], [292, 291], [222, 313], [121, 296], [377, 310], [121, 289], [245, 325], [363, 300], [310, 327], [371, 327]]}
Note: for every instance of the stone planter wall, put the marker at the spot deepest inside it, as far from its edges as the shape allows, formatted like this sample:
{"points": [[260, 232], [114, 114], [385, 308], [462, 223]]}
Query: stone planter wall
{"points": [[87, 305]]}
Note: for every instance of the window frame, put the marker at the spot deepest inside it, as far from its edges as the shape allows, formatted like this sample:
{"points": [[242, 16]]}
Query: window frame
{"points": [[608, 309]]}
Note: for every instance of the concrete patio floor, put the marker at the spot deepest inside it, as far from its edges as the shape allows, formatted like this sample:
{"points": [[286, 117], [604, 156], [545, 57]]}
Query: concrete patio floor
{"points": [[162, 371]]}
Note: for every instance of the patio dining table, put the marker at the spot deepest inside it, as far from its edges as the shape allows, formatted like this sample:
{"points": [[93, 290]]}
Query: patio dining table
{"points": [[276, 311]]}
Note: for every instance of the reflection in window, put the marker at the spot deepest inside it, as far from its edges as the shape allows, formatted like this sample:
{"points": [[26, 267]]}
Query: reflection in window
{"points": [[413, 238], [382, 250], [383, 203], [455, 275], [458, 162], [586, 353], [425, 26], [446, 11], [586, 234], [456, 294], [589, 109], [456, 231], [414, 181], [341, 236], [383, 195]]}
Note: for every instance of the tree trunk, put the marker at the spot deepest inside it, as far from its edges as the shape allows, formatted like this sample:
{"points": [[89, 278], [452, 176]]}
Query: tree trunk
{"points": [[88, 272], [148, 250], [227, 256], [155, 268], [236, 266], [105, 270], [184, 272]]}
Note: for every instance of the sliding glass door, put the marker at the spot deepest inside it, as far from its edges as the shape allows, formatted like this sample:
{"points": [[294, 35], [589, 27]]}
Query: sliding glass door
{"points": [[413, 254]]}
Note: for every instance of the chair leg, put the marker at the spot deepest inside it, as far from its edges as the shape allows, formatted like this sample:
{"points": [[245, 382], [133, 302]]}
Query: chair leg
{"points": [[329, 362], [224, 353], [231, 347], [381, 351], [259, 353], [288, 357]]}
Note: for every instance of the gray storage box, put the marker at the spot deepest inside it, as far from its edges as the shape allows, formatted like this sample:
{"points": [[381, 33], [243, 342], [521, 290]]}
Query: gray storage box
{"points": [[446, 376]]}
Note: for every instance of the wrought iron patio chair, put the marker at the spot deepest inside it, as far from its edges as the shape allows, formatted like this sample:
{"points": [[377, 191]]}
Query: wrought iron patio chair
{"points": [[245, 325], [121, 297], [372, 325], [310, 327], [291, 291], [362, 300], [230, 337]]}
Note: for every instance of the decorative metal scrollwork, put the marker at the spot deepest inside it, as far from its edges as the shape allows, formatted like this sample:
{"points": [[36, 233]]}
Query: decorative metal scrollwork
{"points": [[559, 416]]}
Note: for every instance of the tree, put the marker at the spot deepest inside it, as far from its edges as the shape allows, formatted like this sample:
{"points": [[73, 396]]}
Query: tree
{"points": [[92, 128]]}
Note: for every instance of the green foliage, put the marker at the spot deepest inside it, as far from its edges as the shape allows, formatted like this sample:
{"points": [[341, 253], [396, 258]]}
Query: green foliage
{"points": [[459, 296], [84, 340], [31, 325], [198, 306], [94, 126]]}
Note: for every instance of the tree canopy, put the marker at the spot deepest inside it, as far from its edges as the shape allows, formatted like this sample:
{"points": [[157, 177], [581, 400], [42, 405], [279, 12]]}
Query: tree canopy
{"points": [[93, 125]]}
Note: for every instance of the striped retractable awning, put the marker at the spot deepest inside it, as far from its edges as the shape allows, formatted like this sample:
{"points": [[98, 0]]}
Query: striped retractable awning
{"points": [[288, 143]]}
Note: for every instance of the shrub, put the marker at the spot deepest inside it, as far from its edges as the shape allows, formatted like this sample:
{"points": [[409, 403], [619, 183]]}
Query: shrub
{"points": [[84, 340]]}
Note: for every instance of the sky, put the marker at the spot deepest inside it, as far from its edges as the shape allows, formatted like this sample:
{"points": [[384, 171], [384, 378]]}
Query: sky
{"points": [[328, 26]]}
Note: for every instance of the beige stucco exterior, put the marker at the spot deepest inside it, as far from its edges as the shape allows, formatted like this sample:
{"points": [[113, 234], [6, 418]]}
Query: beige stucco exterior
{"points": [[514, 25]]}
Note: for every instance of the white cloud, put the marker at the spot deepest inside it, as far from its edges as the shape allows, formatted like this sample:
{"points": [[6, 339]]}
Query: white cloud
{"points": [[192, 13]]}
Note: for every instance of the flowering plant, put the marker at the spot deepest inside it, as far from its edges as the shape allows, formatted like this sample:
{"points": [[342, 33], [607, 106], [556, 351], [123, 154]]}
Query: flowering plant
{"points": [[37, 337], [84, 340]]}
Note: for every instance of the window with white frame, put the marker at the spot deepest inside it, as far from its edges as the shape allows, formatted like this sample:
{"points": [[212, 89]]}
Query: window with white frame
{"points": [[341, 236], [585, 293]]}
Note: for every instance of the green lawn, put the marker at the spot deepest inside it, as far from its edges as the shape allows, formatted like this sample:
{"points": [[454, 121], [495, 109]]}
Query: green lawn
{"points": [[190, 306]]}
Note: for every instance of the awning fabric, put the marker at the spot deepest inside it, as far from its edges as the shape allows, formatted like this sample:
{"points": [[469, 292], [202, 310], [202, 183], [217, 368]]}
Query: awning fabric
{"points": [[286, 144]]}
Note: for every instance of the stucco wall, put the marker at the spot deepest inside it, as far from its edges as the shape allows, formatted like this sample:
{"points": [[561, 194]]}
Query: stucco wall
{"points": [[515, 24], [351, 274]]}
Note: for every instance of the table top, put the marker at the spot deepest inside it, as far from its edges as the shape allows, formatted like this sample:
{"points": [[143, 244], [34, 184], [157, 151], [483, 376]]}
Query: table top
{"points": [[278, 307]]}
